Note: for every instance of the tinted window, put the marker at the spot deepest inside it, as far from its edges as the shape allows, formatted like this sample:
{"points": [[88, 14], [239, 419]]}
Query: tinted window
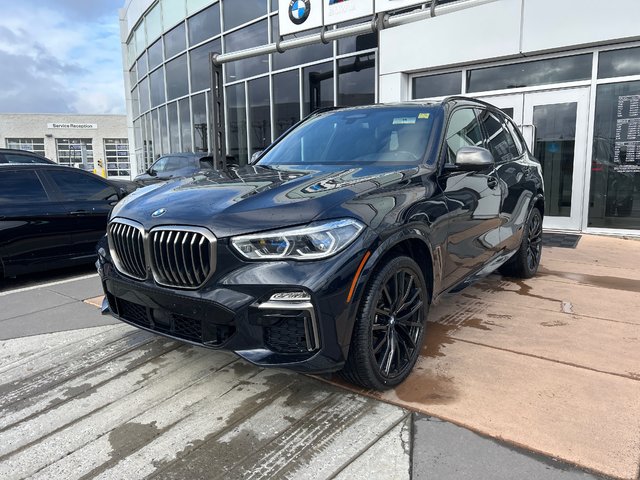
{"points": [[155, 54], [389, 135], [177, 82], [540, 72], [235, 15], [175, 41], [298, 56], [17, 158], [156, 86], [356, 80], [81, 186], [499, 140], [176, 163], [463, 131], [199, 60], [21, 187], [205, 24], [619, 63], [318, 87], [437, 85], [286, 101], [160, 165], [252, 36], [515, 134]]}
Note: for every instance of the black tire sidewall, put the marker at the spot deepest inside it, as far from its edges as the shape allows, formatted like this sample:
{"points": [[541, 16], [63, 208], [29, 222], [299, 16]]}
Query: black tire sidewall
{"points": [[366, 316]]}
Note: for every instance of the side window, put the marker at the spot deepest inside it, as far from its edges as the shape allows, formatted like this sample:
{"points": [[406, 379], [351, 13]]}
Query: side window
{"points": [[463, 131], [517, 138], [21, 186], [499, 140], [176, 163], [81, 186], [17, 158], [160, 165]]}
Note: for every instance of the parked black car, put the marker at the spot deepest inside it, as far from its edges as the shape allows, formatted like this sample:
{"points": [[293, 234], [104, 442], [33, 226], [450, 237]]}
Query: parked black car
{"points": [[12, 155], [52, 216], [175, 165], [327, 252]]}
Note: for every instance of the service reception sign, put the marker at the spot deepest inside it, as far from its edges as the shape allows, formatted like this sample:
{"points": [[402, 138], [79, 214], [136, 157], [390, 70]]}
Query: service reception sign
{"points": [[73, 126], [337, 11]]}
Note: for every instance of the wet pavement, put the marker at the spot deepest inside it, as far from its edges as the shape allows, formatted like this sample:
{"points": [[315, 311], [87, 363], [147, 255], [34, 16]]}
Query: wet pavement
{"points": [[549, 365]]}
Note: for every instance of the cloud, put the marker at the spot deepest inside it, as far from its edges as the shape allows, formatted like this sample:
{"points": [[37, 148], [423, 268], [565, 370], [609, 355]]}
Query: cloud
{"points": [[65, 59]]}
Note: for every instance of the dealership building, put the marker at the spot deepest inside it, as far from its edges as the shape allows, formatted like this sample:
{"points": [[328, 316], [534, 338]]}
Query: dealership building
{"points": [[94, 140], [567, 71]]}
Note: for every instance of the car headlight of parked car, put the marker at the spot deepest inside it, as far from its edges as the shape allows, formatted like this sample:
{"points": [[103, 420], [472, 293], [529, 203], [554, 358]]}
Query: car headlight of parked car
{"points": [[315, 241]]}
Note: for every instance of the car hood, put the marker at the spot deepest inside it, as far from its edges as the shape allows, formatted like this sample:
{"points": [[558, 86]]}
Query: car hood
{"points": [[254, 198]]}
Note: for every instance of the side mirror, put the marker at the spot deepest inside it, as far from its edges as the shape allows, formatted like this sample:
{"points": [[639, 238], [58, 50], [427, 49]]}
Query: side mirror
{"points": [[152, 172], [255, 157], [474, 159]]}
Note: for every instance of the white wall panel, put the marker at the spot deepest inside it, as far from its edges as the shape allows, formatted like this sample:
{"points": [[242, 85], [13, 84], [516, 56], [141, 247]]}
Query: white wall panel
{"points": [[485, 32], [556, 24], [394, 87]]}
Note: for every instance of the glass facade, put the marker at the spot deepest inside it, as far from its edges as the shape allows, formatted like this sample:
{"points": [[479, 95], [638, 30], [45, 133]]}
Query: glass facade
{"points": [[35, 145], [71, 150], [116, 155], [614, 200], [264, 96]]}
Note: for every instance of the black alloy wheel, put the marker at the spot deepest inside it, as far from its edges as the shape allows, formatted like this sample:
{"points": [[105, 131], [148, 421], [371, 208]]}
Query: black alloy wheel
{"points": [[390, 326], [525, 262]]}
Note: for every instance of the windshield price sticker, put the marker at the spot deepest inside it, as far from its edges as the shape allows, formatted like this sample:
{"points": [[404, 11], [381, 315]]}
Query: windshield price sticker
{"points": [[404, 121]]}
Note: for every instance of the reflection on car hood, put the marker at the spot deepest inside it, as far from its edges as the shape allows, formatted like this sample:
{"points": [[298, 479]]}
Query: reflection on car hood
{"points": [[254, 198]]}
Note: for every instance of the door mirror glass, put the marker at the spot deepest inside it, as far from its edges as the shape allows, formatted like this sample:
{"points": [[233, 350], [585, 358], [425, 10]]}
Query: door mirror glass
{"points": [[474, 158]]}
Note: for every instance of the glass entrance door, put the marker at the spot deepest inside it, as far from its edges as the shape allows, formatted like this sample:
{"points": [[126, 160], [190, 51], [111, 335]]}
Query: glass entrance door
{"points": [[554, 125]]}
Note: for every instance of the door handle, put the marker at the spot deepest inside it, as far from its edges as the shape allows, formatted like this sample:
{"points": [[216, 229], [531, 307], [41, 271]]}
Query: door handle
{"points": [[78, 212], [492, 182]]}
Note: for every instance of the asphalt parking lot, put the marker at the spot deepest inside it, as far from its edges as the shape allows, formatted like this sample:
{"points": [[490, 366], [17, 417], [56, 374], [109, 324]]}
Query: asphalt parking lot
{"points": [[533, 379]]}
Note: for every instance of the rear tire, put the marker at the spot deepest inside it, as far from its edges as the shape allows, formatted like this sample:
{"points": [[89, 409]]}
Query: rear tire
{"points": [[389, 327], [525, 263]]}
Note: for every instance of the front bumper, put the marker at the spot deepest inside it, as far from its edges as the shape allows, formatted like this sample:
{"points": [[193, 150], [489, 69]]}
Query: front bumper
{"points": [[248, 310]]}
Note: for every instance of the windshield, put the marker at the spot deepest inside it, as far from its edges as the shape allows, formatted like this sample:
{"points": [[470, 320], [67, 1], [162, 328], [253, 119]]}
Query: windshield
{"points": [[396, 135]]}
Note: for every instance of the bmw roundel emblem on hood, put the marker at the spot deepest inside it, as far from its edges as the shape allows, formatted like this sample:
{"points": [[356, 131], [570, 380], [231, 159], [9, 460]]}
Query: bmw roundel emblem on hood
{"points": [[159, 212], [299, 11]]}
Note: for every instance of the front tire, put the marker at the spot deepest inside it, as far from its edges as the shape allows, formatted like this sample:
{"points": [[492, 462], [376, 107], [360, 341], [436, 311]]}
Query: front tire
{"points": [[525, 263], [389, 328]]}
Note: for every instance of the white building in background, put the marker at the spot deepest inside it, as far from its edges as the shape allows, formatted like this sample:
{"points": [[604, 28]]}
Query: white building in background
{"points": [[567, 71], [67, 139]]}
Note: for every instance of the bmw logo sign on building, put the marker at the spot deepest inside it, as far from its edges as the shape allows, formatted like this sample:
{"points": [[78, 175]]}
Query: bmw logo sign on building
{"points": [[299, 11], [299, 15]]}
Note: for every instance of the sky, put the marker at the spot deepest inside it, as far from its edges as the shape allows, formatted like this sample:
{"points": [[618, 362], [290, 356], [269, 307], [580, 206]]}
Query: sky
{"points": [[61, 56]]}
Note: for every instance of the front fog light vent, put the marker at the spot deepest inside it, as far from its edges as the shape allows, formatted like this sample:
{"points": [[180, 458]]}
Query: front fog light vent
{"points": [[290, 322]]}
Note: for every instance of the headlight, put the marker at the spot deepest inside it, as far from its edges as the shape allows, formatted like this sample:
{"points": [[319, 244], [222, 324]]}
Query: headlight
{"points": [[318, 240]]}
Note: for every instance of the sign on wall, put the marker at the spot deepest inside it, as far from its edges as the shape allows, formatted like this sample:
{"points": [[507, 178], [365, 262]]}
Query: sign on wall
{"points": [[73, 126], [337, 11], [387, 5], [299, 15]]}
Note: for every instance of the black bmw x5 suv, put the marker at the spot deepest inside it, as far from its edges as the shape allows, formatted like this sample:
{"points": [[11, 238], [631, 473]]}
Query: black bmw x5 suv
{"points": [[326, 253]]}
